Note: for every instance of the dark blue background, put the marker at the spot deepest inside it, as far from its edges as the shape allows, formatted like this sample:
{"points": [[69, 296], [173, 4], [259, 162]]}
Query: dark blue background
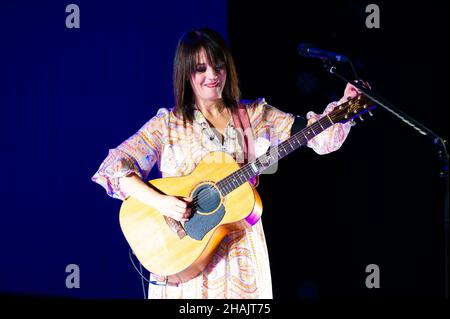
{"points": [[67, 96]]}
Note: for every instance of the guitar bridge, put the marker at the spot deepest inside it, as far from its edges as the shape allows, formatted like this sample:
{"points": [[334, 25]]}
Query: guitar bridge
{"points": [[175, 226]]}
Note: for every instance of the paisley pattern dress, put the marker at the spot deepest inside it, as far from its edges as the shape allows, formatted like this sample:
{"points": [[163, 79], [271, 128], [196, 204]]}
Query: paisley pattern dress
{"points": [[240, 265]]}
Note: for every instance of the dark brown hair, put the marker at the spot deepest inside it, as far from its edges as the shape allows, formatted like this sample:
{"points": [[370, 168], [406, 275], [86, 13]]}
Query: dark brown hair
{"points": [[184, 66]]}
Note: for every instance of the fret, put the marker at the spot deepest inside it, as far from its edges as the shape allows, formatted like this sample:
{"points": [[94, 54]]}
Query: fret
{"points": [[228, 188], [258, 164], [233, 181], [290, 144], [219, 186], [265, 159], [303, 139], [253, 167], [272, 157], [224, 189], [273, 154], [304, 135], [320, 124], [282, 149], [329, 119]]}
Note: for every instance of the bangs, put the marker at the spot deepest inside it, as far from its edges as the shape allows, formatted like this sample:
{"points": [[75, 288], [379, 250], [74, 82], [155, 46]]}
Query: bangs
{"points": [[214, 54]]}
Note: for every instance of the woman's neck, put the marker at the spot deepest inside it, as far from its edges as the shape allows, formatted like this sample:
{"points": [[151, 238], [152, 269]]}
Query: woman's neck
{"points": [[212, 108]]}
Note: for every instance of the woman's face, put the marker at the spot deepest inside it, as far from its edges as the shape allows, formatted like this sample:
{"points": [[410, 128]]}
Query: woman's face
{"points": [[208, 81]]}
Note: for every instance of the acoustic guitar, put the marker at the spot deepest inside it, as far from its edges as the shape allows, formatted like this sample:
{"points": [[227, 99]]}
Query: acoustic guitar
{"points": [[223, 201]]}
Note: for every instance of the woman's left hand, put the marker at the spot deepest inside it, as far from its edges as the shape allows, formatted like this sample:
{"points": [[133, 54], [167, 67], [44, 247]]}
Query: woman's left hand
{"points": [[352, 92]]}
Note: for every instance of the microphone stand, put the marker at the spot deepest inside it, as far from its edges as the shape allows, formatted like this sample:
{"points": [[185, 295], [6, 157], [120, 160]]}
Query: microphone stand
{"points": [[438, 141]]}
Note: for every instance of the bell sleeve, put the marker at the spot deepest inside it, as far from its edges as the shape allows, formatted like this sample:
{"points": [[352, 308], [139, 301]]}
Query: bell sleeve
{"points": [[332, 138], [137, 155]]}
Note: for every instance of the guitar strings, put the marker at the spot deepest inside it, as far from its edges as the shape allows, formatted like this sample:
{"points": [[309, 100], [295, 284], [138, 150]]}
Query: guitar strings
{"points": [[246, 168], [303, 141]]}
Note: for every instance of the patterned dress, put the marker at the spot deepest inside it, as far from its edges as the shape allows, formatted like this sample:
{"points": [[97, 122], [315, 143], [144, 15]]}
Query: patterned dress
{"points": [[240, 265]]}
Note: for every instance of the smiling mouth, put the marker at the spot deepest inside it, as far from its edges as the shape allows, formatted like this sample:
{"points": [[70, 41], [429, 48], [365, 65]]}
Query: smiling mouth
{"points": [[212, 85]]}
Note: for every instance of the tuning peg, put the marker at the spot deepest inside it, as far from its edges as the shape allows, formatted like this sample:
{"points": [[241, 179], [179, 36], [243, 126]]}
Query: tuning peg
{"points": [[361, 118], [370, 113]]}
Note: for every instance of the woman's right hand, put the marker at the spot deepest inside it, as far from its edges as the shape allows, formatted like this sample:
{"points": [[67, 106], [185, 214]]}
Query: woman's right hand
{"points": [[174, 207]]}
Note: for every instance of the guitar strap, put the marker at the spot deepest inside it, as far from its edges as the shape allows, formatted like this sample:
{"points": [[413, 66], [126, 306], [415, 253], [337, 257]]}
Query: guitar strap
{"points": [[242, 124]]}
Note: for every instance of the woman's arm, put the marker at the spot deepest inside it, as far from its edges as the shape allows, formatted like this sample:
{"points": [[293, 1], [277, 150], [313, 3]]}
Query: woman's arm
{"points": [[170, 206], [134, 186]]}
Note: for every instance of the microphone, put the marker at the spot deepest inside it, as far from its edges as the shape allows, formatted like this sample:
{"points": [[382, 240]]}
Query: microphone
{"points": [[305, 50]]}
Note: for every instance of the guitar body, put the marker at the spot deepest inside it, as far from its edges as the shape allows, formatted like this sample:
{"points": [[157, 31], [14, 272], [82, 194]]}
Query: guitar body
{"points": [[154, 238], [181, 251]]}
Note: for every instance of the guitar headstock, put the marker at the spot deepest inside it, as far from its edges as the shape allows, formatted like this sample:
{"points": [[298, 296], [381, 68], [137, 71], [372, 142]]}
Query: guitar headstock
{"points": [[351, 109]]}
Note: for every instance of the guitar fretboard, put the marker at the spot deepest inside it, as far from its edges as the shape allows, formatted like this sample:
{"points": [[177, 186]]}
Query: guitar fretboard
{"points": [[273, 155]]}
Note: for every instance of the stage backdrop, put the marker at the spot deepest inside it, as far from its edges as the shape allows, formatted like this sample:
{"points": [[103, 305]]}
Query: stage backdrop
{"points": [[67, 96]]}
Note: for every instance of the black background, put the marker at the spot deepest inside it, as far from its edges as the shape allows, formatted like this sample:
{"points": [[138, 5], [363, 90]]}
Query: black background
{"points": [[379, 199]]}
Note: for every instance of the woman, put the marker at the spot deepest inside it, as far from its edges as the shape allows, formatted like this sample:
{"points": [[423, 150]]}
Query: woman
{"points": [[206, 118]]}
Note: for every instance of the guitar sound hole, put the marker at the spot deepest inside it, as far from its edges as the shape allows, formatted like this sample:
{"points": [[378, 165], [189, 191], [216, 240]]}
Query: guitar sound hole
{"points": [[208, 212], [207, 198]]}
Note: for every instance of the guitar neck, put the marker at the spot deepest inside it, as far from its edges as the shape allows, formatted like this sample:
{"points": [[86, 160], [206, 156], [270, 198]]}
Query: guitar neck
{"points": [[273, 155]]}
